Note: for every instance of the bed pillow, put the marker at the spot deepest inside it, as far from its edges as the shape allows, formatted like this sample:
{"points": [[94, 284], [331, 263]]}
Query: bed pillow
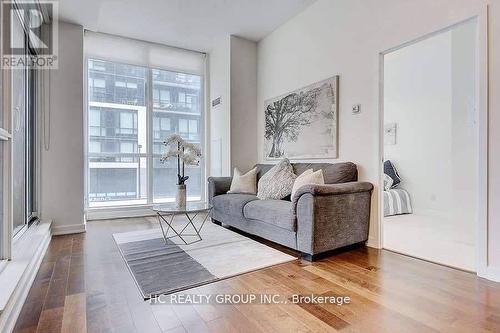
{"points": [[308, 177], [390, 170], [277, 183], [387, 182], [245, 184]]}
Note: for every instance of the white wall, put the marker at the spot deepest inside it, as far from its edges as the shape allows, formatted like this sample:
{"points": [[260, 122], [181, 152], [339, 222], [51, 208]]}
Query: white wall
{"points": [[494, 138], [345, 37], [464, 146], [62, 165], [220, 116], [233, 77], [243, 103]]}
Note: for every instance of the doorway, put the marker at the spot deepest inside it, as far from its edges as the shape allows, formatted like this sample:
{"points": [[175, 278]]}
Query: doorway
{"points": [[431, 146]]}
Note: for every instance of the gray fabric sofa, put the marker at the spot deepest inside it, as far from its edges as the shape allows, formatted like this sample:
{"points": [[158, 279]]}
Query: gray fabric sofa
{"points": [[321, 218]]}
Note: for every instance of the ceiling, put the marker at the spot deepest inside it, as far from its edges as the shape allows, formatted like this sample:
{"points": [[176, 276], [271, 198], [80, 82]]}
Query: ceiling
{"points": [[191, 24]]}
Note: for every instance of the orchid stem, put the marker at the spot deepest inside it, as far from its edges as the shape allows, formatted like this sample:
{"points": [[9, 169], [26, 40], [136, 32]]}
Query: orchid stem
{"points": [[178, 164]]}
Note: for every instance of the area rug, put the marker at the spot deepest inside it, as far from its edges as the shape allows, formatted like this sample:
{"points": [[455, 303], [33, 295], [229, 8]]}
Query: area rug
{"points": [[159, 268]]}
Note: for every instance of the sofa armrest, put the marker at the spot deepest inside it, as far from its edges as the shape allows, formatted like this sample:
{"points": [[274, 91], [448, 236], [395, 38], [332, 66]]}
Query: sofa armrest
{"points": [[332, 216], [332, 189], [217, 186]]}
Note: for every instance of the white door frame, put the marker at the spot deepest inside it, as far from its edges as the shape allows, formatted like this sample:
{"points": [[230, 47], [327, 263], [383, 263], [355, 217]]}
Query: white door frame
{"points": [[481, 105]]}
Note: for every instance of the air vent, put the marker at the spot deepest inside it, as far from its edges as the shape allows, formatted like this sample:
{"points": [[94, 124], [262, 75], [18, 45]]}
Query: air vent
{"points": [[216, 102]]}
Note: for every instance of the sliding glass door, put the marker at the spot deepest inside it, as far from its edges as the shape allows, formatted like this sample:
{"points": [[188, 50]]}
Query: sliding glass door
{"points": [[127, 124], [19, 149], [19, 144], [23, 99]]}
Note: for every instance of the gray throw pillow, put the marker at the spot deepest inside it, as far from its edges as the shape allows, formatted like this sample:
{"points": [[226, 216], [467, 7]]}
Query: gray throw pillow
{"points": [[277, 183]]}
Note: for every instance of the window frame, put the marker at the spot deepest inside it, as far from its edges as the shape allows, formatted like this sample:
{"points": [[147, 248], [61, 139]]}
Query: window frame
{"points": [[150, 155]]}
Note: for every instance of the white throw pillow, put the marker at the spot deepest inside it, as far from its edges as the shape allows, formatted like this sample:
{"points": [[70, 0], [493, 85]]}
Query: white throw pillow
{"points": [[246, 184], [306, 178], [277, 183]]}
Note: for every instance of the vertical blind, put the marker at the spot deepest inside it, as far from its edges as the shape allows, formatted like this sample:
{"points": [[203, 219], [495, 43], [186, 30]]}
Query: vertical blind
{"points": [[141, 53]]}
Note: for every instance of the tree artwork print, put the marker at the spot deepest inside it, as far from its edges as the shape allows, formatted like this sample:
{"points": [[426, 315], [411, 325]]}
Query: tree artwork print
{"points": [[303, 124]]}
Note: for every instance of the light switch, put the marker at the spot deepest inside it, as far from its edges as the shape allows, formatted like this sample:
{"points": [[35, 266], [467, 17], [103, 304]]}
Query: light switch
{"points": [[356, 109]]}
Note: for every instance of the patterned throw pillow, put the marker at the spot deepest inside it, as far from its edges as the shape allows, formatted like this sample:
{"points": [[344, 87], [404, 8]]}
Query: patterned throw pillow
{"points": [[277, 183], [390, 170], [387, 182]]}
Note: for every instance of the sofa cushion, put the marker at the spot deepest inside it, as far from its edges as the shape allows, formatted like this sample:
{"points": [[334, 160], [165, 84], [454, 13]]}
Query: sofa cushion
{"points": [[275, 212], [232, 204], [333, 173]]}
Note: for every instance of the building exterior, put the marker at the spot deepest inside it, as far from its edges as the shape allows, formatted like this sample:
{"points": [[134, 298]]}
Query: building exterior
{"points": [[120, 105]]}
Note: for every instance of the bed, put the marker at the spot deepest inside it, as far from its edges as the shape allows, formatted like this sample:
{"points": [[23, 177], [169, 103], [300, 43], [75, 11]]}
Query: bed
{"points": [[397, 202]]}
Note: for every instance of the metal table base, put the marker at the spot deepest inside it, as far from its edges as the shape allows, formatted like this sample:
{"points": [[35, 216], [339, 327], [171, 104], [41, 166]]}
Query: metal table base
{"points": [[168, 219]]}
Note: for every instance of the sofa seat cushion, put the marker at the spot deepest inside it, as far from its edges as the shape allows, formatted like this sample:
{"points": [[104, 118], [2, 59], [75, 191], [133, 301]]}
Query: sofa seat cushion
{"points": [[232, 204], [275, 212]]}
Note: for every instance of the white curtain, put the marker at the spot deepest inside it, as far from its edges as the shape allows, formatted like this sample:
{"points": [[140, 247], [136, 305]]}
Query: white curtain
{"points": [[141, 53]]}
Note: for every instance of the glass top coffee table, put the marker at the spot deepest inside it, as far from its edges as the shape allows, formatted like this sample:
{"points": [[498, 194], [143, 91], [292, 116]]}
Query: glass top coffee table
{"points": [[166, 214]]}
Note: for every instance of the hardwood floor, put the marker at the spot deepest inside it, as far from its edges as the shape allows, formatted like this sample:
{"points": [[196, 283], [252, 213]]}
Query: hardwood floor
{"points": [[84, 285]]}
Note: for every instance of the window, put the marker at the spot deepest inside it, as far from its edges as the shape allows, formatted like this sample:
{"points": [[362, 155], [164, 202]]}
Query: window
{"points": [[116, 168], [122, 84], [94, 147], [23, 110], [95, 118], [193, 126], [23, 100], [127, 147], [183, 126], [165, 124], [128, 123], [156, 96], [119, 158], [164, 96], [98, 83]]}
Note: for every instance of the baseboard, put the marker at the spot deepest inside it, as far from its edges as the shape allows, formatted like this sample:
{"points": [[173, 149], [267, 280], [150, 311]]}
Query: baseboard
{"points": [[118, 213], [68, 229], [10, 313], [372, 242], [490, 273]]}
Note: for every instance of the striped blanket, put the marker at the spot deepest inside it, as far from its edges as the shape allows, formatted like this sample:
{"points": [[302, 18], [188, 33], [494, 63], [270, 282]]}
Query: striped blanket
{"points": [[396, 202]]}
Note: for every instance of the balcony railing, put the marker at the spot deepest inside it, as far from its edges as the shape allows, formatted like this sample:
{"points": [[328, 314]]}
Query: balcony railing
{"points": [[104, 97], [172, 77], [175, 106], [113, 132]]}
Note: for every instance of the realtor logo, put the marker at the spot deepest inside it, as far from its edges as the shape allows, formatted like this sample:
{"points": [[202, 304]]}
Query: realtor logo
{"points": [[30, 39]]}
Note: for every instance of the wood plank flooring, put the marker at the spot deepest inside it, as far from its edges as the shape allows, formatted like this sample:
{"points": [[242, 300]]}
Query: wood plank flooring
{"points": [[84, 286]]}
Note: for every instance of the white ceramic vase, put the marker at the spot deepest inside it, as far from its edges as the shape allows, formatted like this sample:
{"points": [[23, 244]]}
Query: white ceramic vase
{"points": [[180, 196]]}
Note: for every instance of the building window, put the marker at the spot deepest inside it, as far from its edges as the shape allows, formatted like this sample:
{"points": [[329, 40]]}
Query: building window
{"points": [[165, 124], [183, 126], [98, 83], [119, 158], [164, 96], [94, 147]]}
